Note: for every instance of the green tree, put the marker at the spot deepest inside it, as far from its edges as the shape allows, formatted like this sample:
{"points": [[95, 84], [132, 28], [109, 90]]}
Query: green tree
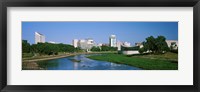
{"points": [[104, 48], [26, 48], [51, 49], [142, 50], [108, 48], [94, 48], [150, 44], [155, 45], [161, 44], [78, 49]]}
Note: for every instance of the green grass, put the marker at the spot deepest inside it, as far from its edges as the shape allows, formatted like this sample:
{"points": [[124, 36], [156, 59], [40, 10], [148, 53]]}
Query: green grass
{"points": [[27, 55], [147, 62], [167, 56]]}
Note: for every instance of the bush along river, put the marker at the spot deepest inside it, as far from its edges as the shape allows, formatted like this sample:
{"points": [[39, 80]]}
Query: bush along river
{"points": [[81, 62]]}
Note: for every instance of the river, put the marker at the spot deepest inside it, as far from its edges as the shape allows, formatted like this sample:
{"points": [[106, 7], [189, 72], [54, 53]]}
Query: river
{"points": [[81, 62]]}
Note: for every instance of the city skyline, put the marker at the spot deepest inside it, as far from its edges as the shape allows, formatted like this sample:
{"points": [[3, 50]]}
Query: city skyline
{"points": [[65, 32]]}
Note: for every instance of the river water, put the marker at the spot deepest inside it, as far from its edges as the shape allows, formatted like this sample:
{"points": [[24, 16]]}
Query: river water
{"points": [[84, 64]]}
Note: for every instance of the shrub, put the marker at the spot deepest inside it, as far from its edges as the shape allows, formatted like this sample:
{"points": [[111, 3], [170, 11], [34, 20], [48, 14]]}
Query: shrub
{"points": [[141, 50]]}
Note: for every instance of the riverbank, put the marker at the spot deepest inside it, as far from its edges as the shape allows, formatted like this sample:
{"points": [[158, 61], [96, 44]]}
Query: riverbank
{"points": [[31, 66], [148, 62], [50, 57]]}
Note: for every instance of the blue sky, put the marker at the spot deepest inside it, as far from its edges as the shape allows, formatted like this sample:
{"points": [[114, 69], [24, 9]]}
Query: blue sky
{"points": [[65, 32]]}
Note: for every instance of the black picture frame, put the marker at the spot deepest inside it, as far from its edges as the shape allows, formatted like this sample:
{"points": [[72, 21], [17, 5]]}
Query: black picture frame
{"points": [[98, 3]]}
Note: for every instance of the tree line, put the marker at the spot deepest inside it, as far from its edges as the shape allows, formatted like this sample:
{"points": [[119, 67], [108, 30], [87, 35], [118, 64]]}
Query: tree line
{"points": [[47, 48], [103, 48], [53, 49]]}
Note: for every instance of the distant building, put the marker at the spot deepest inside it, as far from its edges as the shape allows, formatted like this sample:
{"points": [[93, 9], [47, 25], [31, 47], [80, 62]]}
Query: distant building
{"points": [[124, 44], [82, 44], [99, 44], [119, 44], [127, 44], [172, 44], [139, 44], [75, 43], [39, 38], [113, 41], [86, 44], [89, 43], [52, 42]]}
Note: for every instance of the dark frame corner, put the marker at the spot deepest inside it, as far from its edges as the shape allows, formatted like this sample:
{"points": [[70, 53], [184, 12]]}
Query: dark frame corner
{"points": [[98, 3]]}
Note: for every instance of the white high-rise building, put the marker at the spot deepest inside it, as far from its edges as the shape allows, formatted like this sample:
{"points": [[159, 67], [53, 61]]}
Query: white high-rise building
{"points": [[75, 43], [39, 38], [113, 41]]}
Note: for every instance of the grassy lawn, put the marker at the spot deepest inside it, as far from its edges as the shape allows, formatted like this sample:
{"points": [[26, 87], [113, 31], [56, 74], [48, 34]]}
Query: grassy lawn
{"points": [[167, 56], [168, 61]]}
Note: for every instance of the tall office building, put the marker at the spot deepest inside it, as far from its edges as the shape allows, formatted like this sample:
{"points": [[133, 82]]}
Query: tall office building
{"points": [[113, 41], [39, 38], [75, 43]]}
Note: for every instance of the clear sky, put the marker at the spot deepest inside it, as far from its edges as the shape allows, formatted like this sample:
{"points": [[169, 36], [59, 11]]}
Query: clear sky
{"points": [[65, 32]]}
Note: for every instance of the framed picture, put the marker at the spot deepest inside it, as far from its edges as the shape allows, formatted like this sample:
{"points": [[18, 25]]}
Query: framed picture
{"points": [[131, 45]]}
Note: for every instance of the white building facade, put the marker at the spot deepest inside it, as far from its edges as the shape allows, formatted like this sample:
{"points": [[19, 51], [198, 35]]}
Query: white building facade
{"points": [[119, 44], [139, 44], [39, 38], [124, 44], [75, 43], [172, 44], [127, 44], [52, 42], [85, 44], [113, 41]]}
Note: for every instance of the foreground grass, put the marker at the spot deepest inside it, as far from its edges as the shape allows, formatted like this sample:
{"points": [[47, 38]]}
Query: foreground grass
{"points": [[167, 56], [147, 62]]}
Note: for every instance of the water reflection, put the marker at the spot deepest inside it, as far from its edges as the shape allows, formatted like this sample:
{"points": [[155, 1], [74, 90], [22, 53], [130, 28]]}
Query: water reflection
{"points": [[81, 62]]}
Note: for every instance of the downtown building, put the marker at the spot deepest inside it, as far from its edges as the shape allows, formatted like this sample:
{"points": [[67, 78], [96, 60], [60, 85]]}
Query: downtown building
{"points": [[85, 44], [113, 41], [75, 43], [52, 42], [172, 44], [124, 44], [39, 38]]}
